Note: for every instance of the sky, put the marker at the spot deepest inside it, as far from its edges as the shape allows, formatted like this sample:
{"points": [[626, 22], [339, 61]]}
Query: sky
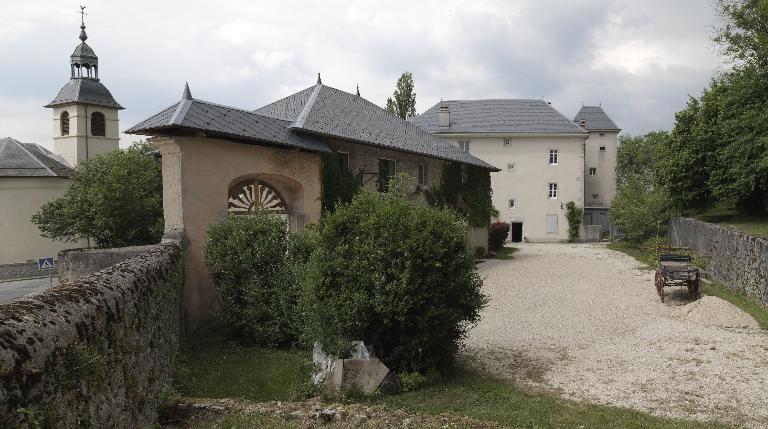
{"points": [[640, 59]]}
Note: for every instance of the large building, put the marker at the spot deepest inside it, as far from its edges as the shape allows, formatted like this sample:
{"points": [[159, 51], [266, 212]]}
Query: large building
{"points": [[542, 158], [85, 124], [219, 160]]}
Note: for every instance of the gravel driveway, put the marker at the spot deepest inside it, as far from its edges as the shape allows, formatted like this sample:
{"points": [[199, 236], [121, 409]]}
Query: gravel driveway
{"points": [[585, 321]]}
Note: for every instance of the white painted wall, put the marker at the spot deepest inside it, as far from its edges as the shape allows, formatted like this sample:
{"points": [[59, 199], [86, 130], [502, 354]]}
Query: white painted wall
{"points": [[528, 182], [20, 198], [604, 183], [80, 144]]}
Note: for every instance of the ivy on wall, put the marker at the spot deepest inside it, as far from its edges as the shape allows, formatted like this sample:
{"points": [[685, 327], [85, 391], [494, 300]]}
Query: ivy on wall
{"points": [[466, 189], [338, 187], [574, 214]]}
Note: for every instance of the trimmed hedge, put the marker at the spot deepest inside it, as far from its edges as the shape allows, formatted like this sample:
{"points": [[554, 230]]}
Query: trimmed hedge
{"points": [[246, 256], [398, 275], [497, 235]]}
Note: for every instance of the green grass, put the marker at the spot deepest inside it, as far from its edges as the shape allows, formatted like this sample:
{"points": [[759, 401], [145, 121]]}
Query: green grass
{"points": [[753, 225], [214, 368], [211, 367], [505, 253], [749, 306]]}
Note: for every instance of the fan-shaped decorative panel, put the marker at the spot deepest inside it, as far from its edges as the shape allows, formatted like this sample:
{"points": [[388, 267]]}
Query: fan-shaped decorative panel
{"points": [[252, 195]]}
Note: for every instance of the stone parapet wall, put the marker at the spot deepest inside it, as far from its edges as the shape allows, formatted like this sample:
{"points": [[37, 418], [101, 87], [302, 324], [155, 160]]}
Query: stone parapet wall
{"points": [[734, 258], [75, 264], [95, 352], [22, 270]]}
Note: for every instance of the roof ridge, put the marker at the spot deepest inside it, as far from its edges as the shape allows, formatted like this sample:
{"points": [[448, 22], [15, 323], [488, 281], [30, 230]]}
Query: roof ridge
{"points": [[299, 122]]}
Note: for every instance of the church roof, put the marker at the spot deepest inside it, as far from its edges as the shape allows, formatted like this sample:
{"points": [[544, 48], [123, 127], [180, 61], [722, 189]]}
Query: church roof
{"points": [[30, 160], [596, 119], [501, 116], [330, 112], [215, 120], [85, 91]]}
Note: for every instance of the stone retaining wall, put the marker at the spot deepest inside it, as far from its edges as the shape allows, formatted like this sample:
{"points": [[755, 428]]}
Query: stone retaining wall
{"points": [[75, 264], [96, 352], [22, 270], [734, 258]]}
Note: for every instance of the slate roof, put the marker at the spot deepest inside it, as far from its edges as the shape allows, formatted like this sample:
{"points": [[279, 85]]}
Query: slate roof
{"points": [[85, 91], [330, 112], [30, 160], [597, 119], [190, 114], [497, 116]]}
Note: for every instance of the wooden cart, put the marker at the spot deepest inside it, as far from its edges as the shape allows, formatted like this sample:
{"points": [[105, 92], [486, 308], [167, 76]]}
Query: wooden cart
{"points": [[674, 268]]}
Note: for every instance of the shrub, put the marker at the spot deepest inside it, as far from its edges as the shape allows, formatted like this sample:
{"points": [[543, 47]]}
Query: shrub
{"points": [[574, 215], [246, 256], [639, 211], [115, 199], [497, 235], [398, 275]]}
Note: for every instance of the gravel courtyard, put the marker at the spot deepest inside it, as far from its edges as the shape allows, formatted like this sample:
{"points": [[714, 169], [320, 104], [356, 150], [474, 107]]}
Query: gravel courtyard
{"points": [[585, 322]]}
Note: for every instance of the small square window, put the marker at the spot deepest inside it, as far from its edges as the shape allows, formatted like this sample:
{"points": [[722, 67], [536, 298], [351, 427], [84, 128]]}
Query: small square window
{"points": [[552, 190], [464, 145], [511, 203], [602, 148], [506, 142], [595, 196], [553, 157], [511, 166], [592, 171]]}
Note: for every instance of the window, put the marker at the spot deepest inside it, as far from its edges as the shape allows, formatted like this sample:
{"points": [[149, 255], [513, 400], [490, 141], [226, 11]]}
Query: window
{"points": [[511, 203], [98, 125], [506, 142], [422, 174], [553, 157], [464, 176], [583, 123], [552, 224], [592, 171], [386, 170], [602, 148], [595, 196], [552, 190], [511, 166], [602, 134], [464, 145], [343, 162], [64, 123]]}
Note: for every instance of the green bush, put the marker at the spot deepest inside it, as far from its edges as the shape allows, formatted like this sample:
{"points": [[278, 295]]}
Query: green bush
{"points": [[640, 211], [398, 275], [574, 215], [246, 256]]}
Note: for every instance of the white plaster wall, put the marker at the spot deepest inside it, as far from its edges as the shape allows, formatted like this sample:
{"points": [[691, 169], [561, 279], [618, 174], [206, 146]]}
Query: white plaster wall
{"points": [[528, 182], [604, 184], [75, 147], [20, 198]]}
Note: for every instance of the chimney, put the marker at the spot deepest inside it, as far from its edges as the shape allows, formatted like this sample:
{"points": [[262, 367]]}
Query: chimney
{"points": [[444, 116]]}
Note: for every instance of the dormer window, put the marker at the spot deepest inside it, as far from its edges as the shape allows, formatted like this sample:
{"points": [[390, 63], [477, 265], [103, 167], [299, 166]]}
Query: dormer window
{"points": [[583, 123], [98, 124], [64, 119]]}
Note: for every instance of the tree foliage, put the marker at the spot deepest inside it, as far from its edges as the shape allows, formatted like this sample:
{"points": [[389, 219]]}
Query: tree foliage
{"points": [[465, 189], [114, 199], [395, 274], [744, 33], [338, 186], [574, 214], [403, 100]]}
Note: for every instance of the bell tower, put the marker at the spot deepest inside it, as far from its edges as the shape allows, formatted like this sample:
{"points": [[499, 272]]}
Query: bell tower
{"points": [[85, 115]]}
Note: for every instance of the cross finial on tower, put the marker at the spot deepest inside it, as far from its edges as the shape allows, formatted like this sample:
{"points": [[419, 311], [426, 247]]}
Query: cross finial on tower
{"points": [[82, 13], [318, 79]]}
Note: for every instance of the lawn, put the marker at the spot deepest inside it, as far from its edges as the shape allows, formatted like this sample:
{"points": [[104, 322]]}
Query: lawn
{"points": [[214, 368], [505, 253], [753, 225], [749, 306]]}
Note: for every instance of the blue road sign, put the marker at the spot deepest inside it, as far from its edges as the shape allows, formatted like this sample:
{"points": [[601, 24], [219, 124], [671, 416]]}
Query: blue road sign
{"points": [[46, 263]]}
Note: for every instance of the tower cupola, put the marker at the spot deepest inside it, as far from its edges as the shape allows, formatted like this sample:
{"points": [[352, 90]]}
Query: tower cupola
{"points": [[84, 62]]}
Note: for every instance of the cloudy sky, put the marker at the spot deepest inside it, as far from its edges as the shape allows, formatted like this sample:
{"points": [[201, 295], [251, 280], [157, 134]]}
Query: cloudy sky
{"points": [[641, 59]]}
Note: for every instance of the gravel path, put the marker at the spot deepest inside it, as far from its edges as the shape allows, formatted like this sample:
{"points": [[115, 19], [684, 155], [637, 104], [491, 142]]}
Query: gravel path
{"points": [[585, 321]]}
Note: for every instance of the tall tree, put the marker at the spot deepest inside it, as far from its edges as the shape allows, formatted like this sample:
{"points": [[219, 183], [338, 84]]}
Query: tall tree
{"points": [[404, 102], [744, 32]]}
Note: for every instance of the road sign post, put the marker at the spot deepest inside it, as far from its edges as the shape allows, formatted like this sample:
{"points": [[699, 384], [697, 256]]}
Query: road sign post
{"points": [[48, 264]]}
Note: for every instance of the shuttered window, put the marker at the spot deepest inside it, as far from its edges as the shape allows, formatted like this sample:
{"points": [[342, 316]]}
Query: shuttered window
{"points": [[98, 124], [65, 123]]}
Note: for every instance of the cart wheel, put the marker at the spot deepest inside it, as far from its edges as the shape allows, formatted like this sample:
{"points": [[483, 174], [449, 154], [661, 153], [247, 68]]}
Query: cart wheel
{"points": [[660, 285]]}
